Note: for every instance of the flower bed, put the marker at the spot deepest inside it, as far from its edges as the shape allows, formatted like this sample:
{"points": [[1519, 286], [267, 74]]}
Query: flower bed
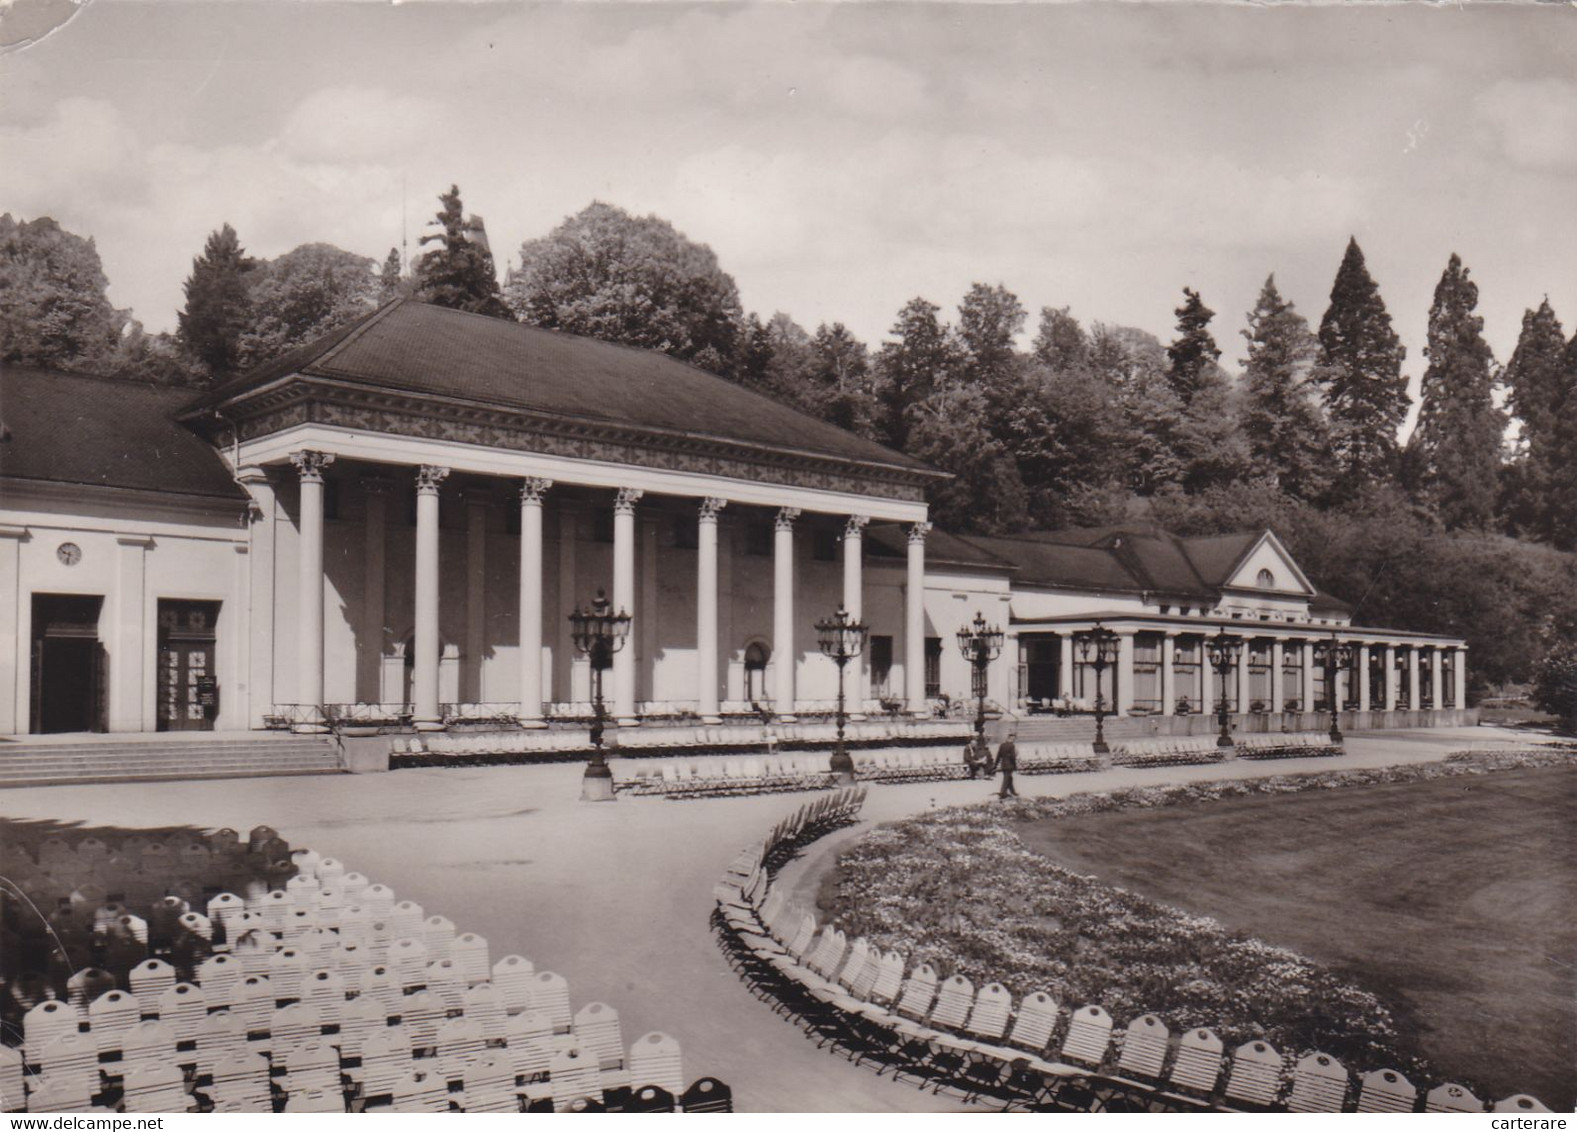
{"points": [[960, 889]]}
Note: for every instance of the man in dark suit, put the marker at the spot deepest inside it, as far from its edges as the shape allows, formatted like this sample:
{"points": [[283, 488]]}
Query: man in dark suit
{"points": [[1007, 763]]}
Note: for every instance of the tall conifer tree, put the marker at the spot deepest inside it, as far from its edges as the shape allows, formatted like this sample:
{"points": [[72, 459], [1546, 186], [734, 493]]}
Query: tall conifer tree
{"points": [[458, 272], [1453, 459], [1361, 365], [1561, 485], [1285, 428], [1535, 392], [1194, 351], [218, 306]]}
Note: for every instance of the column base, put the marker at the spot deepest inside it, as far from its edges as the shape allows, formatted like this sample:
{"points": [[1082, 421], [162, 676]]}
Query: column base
{"points": [[786, 717], [628, 721], [531, 723], [597, 787], [309, 729], [858, 717], [430, 725], [711, 720]]}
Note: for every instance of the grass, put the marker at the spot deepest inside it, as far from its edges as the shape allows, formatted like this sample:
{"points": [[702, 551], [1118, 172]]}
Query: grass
{"points": [[1450, 899]]}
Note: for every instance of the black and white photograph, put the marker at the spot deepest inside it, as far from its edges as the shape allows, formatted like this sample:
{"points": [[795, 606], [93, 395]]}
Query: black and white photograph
{"points": [[773, 557]]}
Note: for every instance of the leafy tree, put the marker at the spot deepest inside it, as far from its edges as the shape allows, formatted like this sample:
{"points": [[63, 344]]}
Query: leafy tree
{"points": [[459, 272], [1193, 352], [1061, 342], [1283, 425], [1535, 392], [950, 430], [1453, 458], [301, 295], [840, 373], [1133, 364], [1555, 684], [391, 279], [1361, 366], [1560, 487], [989, 318], [1066, 431], [54, 310], [218, 306], [922, 357], [606, 274]]}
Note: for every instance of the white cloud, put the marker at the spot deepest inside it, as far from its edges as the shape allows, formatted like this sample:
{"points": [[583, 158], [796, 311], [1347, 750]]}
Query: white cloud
{"points": [[1534, 122]]}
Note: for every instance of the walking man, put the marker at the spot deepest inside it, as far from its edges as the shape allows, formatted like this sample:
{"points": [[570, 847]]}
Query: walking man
{"points": [[1007, 763]]}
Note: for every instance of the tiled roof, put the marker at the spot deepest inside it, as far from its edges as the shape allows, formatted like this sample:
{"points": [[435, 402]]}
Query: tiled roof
{"points": [[75, 429], [413, 347], [890, 540]]}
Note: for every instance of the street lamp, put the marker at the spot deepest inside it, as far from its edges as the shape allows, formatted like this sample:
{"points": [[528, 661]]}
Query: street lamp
{"points": [[1224, 650], [842, 638], [598, 633], [1334, 656], [981, 644], [1098, 647]]}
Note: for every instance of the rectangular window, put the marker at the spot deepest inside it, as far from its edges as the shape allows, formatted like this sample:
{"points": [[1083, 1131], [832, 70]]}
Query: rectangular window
{"points": [[881, 666], [933, 666]]}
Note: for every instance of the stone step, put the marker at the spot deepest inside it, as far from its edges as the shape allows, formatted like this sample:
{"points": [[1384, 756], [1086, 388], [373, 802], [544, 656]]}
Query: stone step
{"points": [[145, 759], [15, 781]]}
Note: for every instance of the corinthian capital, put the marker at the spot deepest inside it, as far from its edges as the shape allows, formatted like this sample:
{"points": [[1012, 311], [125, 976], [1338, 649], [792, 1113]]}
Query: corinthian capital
{"points": [[429, 477], [917, 533], [785, 518], [533, 488], [710, 506], [626, 499], [310, 464], [854, 526]]}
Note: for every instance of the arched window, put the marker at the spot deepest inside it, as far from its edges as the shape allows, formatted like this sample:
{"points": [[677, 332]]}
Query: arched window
{"points": [[1266, 580], [756, 657]]}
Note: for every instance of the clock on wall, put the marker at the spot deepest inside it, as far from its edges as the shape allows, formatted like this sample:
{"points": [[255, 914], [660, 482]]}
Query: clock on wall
{"points": [[69, 553]]}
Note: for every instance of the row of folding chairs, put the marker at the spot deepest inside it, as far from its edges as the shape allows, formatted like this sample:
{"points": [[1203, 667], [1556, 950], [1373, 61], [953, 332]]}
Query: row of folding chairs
{"points": [[761, 774], [952, 1033], [909, 764], [1169, 751], [1286, 745], [1057, 758]]}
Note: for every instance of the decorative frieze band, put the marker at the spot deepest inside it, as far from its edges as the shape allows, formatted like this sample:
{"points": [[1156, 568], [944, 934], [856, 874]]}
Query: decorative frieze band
{"points": [[310, 464]]}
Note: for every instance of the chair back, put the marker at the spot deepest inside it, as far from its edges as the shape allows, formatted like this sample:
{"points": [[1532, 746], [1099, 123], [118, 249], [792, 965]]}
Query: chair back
{"points": [[989, 1017], [1386, 1090], [1319, 1084], [655, 1061], [919, 992], [953, 1000], [1452, 1098], [1144, 1048], [1197, 1066], [1089, 1033], [707, 1095], [1035, 1022], [1255, 1077]]}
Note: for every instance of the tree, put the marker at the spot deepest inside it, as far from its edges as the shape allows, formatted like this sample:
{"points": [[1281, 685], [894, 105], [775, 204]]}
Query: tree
{"points": [[391, 279], [1561, 485], [1453, 458], [458, 272], [840, 373], [305, 293], [950, 430], [1285, 430], [606, 274], [54, 310], [1193, 352], [218, 306], [921, 358], [1061, 343], [1535, 392], [1361, 368], [1555, 684]]}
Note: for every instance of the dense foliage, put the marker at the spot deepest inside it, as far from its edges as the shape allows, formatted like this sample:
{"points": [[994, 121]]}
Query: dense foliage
{"points": [[458, 270], [1555, 684], [53, 306]]}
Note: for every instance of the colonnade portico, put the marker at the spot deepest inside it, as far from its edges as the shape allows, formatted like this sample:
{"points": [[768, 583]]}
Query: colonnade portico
{"points": [[1280, 668], [426, 707]]}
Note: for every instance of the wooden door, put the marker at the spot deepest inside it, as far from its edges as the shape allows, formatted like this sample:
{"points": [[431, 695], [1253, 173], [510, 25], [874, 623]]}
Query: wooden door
{"points": [[188, 686]]}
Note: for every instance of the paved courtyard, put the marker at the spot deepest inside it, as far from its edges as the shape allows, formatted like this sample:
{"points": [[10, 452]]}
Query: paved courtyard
{"points": [[616, 897]]}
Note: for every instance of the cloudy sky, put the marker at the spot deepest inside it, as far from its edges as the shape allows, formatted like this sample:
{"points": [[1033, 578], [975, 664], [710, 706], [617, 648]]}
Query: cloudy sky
{"points": [[840, 159]]}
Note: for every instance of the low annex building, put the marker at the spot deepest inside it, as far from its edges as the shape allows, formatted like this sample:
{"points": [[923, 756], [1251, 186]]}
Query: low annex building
{"points": [[392, 525]]}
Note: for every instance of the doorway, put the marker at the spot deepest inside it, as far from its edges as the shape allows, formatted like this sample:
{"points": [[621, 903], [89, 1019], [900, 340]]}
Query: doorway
{"points": [[69, 665], [188, 685], [1042, 661], [756, 657]]}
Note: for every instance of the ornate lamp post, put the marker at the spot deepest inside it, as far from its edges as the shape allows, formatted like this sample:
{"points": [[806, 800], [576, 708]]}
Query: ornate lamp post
{"points": [[1334, 656], [1098, 647], [598, 633], [842, 638], [981, 644], [1224, 650]]}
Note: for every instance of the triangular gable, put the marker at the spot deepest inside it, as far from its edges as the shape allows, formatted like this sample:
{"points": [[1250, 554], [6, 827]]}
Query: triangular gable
{"points": [[1268, 553]]}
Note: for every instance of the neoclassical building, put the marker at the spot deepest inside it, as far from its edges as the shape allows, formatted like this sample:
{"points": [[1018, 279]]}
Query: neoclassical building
{"points": [[393, 524]]}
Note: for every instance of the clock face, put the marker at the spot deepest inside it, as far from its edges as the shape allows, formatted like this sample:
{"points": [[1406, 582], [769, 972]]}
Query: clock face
{"points": [[69, 553]]}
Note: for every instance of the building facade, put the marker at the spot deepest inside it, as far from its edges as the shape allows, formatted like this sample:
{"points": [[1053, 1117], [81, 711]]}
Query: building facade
{"points": [[393, 524]]}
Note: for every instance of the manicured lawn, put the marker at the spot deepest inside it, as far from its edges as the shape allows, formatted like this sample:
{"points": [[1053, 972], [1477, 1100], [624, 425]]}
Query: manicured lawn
{"points": [[1453, 900]]}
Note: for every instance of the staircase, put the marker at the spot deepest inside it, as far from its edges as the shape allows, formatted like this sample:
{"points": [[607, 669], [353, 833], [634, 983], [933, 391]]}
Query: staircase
{"points": [[38, 760], [1074, 728]]}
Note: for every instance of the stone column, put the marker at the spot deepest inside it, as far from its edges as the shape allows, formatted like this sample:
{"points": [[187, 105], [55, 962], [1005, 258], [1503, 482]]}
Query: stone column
{"points": [[1245, 689], [531, 492], [13, 695], [706, 609], [1308, 676], [1389, 682], [624, 602], [470, 687], [425, 710], [262, 659], [1168, 673], [576, 668], [783, 655], [1278, 679], [1413, 702], [129, 644], [1436, 679], [859, 675], [914, 621], [1122, 676], [1364, 691], [1065, 664], [309, 588], [369, 634], [1459, 675]]}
